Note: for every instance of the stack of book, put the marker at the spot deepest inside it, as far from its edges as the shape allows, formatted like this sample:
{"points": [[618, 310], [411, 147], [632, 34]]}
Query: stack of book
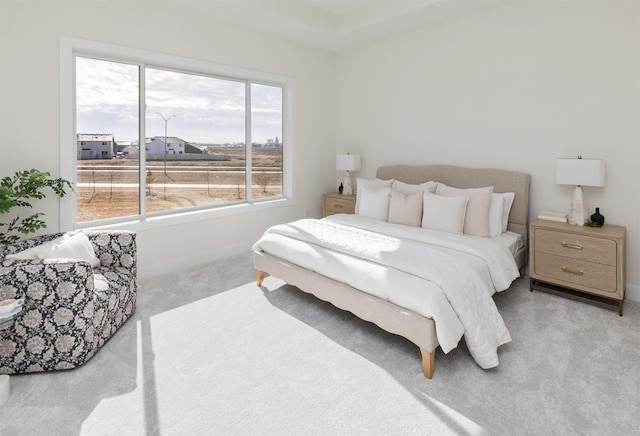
{"points": [[553, 216]]}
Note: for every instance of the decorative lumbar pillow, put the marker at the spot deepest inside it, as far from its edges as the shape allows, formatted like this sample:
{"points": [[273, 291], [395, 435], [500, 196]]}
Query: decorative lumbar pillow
{"points": [[75, 245], [444, 213], [364, 183], [374, 202], [408, 189], [406, 209], [476, 220]]}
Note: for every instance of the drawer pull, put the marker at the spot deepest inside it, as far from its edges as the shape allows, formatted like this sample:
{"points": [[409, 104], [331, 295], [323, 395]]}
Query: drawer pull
{"points": [[337, 206], [574, 246], [577, 272]]}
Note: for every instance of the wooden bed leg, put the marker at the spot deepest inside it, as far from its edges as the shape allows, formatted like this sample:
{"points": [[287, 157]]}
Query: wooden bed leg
{"points": [[259, 277], [428, 362]]}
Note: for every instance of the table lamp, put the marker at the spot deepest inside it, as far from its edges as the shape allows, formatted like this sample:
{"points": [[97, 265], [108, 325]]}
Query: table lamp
{"points": [[347, 162], [580, 172]]}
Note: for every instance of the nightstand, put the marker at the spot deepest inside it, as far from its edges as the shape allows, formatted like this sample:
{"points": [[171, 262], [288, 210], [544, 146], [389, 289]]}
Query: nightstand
{"points": [[584, 263], [334, 202]]}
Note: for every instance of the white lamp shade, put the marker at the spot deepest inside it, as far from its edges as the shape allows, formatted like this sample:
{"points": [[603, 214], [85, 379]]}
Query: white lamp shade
{"points": [[582, 172], [348, 162]]}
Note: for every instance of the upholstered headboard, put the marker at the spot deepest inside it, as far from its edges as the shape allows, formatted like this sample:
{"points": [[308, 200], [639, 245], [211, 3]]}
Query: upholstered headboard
{"points": [[461, 177]]}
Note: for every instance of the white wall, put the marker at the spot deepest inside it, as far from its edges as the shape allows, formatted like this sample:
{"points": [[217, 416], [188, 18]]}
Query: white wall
{"points": [[29, 109], [514, 87]]}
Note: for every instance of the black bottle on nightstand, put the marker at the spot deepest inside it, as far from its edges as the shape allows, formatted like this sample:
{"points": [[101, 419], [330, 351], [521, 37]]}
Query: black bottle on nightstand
{"points": [[597, 218]]}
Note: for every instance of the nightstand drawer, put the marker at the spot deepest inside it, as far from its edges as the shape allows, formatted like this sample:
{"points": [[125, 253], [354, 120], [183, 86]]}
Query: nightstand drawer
{"points": [[596, 277], [334, 205], [581, 247]]}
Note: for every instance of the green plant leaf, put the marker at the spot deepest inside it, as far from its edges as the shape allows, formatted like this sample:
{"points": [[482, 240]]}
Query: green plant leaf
{"points": [[18, 191]]}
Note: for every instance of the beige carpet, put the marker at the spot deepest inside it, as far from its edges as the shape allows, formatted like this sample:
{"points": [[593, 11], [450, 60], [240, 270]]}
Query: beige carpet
{"points": [[208, 352]]}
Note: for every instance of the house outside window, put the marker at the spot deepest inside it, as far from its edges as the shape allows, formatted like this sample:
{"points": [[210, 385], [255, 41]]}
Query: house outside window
{"points": [[196, 124]]}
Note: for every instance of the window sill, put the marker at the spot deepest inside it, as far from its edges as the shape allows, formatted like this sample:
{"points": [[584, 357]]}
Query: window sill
{"points": [[186, 217]]}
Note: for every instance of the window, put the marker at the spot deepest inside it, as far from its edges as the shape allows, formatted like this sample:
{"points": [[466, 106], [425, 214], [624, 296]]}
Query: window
{"points": [[207, 139]]}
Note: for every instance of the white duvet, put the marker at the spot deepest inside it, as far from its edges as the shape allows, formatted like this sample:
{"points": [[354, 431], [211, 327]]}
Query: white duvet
{"points": [[449, 278]]}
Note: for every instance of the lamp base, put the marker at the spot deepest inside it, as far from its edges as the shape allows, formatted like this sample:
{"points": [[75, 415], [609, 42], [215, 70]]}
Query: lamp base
{"points": [[579, 212], [348, 190]]}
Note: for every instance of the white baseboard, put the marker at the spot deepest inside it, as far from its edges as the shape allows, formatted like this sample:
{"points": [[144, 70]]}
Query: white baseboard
{"points": [[175, 265], [632, 293]]}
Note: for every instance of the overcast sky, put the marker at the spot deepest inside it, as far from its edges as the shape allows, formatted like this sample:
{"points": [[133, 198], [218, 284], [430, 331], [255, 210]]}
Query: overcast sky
{"points": [[206, 109]]}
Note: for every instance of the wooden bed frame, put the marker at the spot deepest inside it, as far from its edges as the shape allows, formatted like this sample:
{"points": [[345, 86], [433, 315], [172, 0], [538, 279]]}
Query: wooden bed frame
{"points": [[390, 317]]}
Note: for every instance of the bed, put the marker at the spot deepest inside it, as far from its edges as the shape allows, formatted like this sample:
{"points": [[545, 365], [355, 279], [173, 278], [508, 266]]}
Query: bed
{"points": [[375, 287]]}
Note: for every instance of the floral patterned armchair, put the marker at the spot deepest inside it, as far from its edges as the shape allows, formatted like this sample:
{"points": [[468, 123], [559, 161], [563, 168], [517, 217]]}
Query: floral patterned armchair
{"points": [[72, 309]]}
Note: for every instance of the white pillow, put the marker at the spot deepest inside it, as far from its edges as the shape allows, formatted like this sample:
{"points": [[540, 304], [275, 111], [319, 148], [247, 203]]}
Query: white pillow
{"points": [[374, 202], [444, 213], [405, 209], [506, 208], [476, 220], [29, 253], [408, 189], [361, 184], [70, 246], [499, 212], [495, 215]]}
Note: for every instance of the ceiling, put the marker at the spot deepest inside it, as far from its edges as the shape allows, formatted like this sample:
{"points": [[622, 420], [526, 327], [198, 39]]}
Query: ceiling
{"points": [[337, 6], [335, 25]]}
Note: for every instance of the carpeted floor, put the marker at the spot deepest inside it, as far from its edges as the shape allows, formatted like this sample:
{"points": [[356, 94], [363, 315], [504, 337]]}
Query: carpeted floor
{"points": [[208, 352]]}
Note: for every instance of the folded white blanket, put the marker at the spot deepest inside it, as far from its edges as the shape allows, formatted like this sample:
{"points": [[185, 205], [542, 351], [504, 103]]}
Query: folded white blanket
{"points": [[445, 274]]}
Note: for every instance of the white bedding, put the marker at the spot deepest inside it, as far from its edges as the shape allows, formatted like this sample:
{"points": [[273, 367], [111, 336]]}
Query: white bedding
{"points": [[514, 242], [447, 277]]}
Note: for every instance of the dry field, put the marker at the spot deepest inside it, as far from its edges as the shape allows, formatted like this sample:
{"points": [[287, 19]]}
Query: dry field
{"points": [[109, 188]]}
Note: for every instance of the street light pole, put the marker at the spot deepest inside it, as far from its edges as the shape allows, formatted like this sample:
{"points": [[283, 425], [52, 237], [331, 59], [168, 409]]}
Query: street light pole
{"points": [[166, 121]]}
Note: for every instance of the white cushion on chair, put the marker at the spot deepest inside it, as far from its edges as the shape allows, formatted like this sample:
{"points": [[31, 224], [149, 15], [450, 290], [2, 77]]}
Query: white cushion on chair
{"points": [[74, 245]]}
